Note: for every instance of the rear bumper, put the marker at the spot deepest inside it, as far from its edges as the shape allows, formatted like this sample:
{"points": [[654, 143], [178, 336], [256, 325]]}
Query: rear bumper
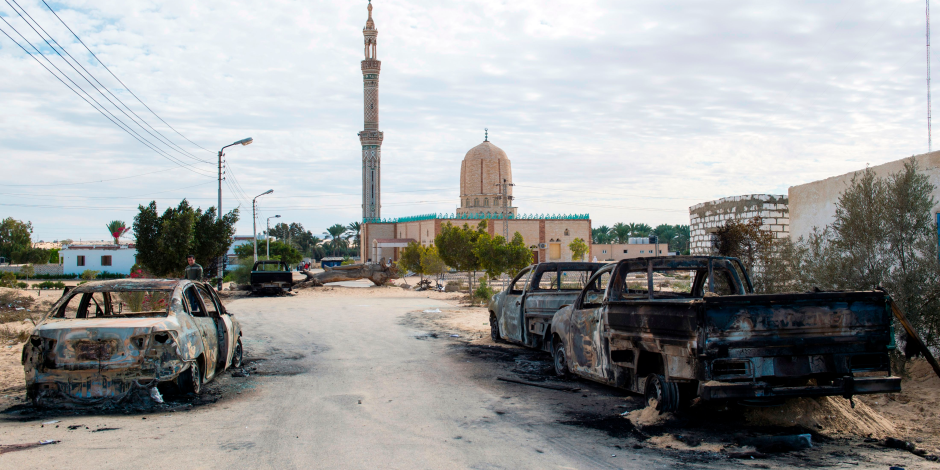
{"points": [[846, 386]]}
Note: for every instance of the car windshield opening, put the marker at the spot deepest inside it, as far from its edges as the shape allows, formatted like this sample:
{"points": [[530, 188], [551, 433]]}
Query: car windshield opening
{"points": [[115, 304]]}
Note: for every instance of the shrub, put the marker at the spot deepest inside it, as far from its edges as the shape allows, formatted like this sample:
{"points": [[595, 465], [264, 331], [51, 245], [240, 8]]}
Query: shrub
{"points": [[22, 285], [483, 292], [241, 273], [453, 286], [49, 285], [8, 279]]}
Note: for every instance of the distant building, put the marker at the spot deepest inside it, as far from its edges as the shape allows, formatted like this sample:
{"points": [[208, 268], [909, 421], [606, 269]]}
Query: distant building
{"points": [[707, 217], [237, 241], [637, 248], [118, 259]]}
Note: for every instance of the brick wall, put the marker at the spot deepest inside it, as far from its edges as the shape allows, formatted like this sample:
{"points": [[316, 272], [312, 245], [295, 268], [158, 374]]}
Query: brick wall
{"points": [[705, 218]]}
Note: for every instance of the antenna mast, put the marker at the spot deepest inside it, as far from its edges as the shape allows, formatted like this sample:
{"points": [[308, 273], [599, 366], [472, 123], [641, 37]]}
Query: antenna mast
{"points": [[929, 139]]}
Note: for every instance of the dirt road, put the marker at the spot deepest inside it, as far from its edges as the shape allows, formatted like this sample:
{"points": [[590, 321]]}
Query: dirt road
{"points": [[370, 382]]}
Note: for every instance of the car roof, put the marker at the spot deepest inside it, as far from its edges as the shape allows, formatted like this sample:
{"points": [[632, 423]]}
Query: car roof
{"points": [[129, 284]]}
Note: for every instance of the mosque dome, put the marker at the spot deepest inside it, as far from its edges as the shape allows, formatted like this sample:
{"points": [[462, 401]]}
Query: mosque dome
{"points": [[482, 172]]}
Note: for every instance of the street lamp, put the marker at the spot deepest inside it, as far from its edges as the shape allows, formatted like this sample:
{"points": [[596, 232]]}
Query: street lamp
{"points": [[254, 220], [267, 235], [242, 142]]}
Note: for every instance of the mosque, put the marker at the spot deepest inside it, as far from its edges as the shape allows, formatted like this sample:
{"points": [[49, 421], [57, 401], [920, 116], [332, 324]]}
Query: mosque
{"points": [[485, 192]]}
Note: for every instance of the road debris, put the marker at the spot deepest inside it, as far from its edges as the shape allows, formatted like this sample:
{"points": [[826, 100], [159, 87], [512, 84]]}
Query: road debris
{"points": [[772, 444], [16, 447], [561, 388]]}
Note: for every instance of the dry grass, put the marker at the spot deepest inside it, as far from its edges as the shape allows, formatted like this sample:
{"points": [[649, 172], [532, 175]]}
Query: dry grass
{"points": [[12, 335]]}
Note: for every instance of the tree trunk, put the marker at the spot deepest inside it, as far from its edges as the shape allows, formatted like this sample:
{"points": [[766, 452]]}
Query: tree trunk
{"points": [[379, 274]]}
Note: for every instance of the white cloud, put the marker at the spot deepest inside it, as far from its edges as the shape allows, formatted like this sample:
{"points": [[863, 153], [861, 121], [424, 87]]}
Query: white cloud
{"points": [[645, 108]]}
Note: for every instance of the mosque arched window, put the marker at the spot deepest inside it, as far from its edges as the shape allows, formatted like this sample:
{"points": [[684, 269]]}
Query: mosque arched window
{"points": [[566, 232], [476, 202], [486, 202]]}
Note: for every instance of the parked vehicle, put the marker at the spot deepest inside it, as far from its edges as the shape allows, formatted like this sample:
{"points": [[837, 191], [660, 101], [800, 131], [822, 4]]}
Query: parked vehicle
{"points": [[271, 277], [522, 313], [682, 327], [102, 340]]}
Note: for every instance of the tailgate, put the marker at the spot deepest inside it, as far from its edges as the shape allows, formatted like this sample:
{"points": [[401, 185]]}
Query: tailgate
{"points": [[823, 323]]}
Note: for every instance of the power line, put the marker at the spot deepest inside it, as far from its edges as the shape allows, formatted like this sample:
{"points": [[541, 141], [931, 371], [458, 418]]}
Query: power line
{"points": [[929, 143], [118, 79], [102, 110], [92, 182], [89, 74]]}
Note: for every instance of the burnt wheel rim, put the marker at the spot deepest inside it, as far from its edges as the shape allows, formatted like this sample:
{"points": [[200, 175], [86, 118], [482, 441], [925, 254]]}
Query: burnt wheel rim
{"points": [[561, 365], [195, 378], [237, 356], [654, 391]]}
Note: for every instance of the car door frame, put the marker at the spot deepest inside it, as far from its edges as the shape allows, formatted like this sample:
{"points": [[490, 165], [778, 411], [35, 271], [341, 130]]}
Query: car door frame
{"points": [[600, 348], [514, 305], [225, 322], [210, 368]]}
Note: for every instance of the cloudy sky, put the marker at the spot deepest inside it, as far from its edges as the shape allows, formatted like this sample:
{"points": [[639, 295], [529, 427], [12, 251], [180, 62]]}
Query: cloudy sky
{"points": [[631, 111]]}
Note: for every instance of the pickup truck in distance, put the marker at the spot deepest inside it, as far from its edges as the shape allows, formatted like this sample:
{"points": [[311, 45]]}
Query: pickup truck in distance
{"points": [[679, 327], [522, 313], [271, 277]]}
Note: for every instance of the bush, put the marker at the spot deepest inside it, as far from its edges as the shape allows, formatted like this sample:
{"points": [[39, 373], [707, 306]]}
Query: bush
{"points": [[8, 279], [453, 286], [49, 285], [241, 273], [483, 292], [22, 285]]}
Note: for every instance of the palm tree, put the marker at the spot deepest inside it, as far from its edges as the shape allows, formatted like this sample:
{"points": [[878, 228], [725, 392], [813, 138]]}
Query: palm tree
{"points": [[117, 228], [335, 232], [356, 231], [642, 230], [601, 234], [621, 232]]}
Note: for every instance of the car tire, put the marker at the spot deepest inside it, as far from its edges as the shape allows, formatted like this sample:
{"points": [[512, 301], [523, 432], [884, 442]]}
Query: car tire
{"points": [[663, 393], [190, 381], [560, 360], [494, 329], [238, 354]]}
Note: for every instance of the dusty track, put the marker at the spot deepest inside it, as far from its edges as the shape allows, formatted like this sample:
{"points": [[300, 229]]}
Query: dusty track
{"points": [[344, 381]]}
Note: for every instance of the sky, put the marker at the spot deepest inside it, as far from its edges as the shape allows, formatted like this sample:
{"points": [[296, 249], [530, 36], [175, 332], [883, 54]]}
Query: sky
{"points": [[630, 111]]}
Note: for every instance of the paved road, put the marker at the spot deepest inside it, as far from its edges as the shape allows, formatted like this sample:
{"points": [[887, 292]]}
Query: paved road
{"points": [[350, 386]]}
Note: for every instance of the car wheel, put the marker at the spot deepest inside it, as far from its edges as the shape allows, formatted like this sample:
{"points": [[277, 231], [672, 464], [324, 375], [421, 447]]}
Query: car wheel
{"points": [[494, 329], [237, 354], [560, 360], [662, 394], [190, 381]]}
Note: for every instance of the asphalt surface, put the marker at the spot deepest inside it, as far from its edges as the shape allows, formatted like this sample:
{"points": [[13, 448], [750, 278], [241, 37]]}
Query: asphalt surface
{"points": [[336, 383]]}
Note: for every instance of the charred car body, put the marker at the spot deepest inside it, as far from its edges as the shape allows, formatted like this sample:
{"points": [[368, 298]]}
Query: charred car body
{"points": [[682, 327], [522, 313], [103, 340], [270, 277]]}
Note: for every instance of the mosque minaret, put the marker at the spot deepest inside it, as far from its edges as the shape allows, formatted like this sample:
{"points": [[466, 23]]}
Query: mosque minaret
{"points": [[371, 137]]}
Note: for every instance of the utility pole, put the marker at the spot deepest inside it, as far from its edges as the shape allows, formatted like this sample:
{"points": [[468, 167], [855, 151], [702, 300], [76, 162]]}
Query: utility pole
{"points": [[221, 261], [929, 138], [254, 221]]}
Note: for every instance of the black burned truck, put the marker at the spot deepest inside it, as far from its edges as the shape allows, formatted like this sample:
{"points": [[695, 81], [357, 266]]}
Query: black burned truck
{"points": [[270, 277], [675, 328], [522, 313]]}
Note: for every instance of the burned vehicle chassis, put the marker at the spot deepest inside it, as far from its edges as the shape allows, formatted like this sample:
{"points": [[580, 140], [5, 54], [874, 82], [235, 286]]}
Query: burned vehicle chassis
{"points": [[88, 350], [718, 340]]}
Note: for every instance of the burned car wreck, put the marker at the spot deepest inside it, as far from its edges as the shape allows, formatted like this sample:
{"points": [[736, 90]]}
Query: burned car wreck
{"points": [[104, 340]]}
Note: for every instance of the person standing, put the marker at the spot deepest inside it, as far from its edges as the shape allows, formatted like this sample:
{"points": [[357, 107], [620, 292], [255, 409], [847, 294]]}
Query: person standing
{"points": [[193, 271]]}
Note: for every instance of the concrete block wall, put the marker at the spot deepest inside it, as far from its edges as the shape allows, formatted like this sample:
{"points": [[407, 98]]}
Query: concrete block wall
{"points": [[50, 269], [706, 217]]}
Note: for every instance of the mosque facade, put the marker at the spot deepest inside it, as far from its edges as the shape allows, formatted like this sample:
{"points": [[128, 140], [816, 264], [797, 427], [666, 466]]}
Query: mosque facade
{"points": [[485, 193]]}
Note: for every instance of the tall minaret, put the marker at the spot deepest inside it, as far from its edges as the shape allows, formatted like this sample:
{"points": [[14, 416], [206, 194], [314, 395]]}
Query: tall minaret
{"points": [[371, 137]]}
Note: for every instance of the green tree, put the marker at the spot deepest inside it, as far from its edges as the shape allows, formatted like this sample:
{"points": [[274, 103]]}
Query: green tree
{"points": [[601, 235], [279, 250], [307, 243], [410, 259], [53, 256], [621, 232], [164, 241], [456, 247], [355, 231], [578, 249], [518, 254], [491, 254], [335, 232], [432, 264], [15, 237]]}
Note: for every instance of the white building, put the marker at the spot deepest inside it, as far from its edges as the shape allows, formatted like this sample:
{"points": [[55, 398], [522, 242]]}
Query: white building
{"points": [[237, 240], [118, 259]]}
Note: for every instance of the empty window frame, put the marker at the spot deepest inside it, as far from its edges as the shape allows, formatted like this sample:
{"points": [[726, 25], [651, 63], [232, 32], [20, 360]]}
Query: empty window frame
{"points": [[80, 260], [106, 260]]}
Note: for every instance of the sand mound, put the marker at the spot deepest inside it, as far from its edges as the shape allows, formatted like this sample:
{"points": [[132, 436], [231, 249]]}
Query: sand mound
{"points": [[826, 415], [648, 416], [669, 441]]}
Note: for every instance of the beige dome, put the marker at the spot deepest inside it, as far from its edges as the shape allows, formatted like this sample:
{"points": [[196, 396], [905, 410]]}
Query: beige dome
{"points": [[483, 168]]}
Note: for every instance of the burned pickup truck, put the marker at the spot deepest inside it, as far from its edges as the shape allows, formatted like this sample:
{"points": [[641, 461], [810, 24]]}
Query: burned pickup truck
{"points": [[676, 328], [271, 277], [104, 340], [522, 313]]}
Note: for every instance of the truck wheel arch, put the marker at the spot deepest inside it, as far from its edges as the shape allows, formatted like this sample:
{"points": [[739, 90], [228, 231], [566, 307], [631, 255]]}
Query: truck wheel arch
{"points": [[649, 363]]}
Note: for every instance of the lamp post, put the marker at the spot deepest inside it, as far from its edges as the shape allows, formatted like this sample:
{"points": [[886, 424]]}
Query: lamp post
{"points": [[254, 221], [242, 142], [267, 235]]}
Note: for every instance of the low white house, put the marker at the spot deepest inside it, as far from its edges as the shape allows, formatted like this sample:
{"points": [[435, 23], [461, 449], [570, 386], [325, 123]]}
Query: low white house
{"points": [[119, 259], [237, 241]]}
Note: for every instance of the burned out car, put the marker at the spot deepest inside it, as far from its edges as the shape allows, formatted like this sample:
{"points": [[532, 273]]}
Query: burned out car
{"points": [[270, 277], [103, 340], [676, 328], [522, 312]]}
